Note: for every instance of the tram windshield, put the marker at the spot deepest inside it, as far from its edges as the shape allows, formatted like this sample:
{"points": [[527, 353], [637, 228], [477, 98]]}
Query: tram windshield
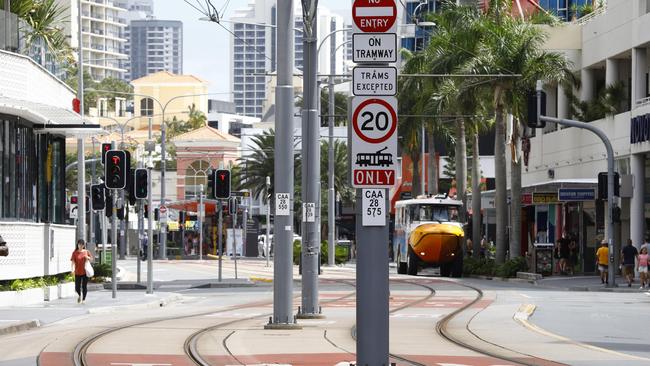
{"points": [[438, 213]]}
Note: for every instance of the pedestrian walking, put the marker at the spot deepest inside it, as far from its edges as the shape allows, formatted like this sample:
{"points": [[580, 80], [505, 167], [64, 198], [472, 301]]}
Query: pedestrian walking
{"points": [[602, 260], [629, 254], [642, 267], [80, 259], [564, 254], [573, 256]]}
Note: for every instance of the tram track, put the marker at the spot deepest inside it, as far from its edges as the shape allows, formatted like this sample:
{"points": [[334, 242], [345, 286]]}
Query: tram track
{"points": [[442, 328]]}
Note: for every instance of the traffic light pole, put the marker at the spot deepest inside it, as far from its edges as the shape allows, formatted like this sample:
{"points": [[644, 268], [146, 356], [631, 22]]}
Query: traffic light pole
{"points": [[140, 227], [200, 219], [234, 237], [150, 221], [163, 227], [220, 236], [114, 241], [611, 274], [284, 172]]}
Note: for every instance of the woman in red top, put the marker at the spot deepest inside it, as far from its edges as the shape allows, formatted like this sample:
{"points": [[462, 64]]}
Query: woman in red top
{"points": [[78, 259]]}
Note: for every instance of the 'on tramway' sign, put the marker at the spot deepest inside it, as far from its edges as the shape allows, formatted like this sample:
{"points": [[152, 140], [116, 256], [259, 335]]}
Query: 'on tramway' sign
{"points": [[374, 16], [373, 142]]}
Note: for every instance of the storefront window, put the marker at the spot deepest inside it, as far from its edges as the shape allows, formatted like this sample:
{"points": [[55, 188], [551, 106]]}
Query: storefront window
{"points": [[32, 173]]}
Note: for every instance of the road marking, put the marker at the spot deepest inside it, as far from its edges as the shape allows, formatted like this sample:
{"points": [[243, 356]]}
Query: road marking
{"points": [[140, 364], [524, 313], [233, 315], [526, 296]]}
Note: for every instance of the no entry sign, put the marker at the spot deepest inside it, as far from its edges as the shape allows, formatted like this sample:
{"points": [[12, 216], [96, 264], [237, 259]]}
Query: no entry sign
{"points": [[374, 16], [374, 142]]}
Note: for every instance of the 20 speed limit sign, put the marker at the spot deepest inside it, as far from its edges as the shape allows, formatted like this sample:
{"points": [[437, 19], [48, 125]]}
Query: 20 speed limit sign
{"points": [[374, 142]]}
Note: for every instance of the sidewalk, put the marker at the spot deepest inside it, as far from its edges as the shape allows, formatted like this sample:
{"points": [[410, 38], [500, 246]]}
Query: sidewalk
{"points": [[16, 319], [588, 283]]}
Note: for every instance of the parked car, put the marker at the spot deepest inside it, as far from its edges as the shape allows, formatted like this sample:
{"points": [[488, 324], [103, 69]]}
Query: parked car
{"points": [[261, 241]]}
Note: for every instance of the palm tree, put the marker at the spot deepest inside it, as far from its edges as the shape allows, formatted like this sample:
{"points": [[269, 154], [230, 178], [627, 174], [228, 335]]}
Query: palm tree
{"points": [[260, 164], [512, 46], [45, 25], [196, 118], [342, 187]]}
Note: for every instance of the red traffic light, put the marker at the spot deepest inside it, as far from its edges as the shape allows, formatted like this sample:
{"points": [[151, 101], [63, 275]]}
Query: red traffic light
{"points": [[73, 199], [76, 105]]}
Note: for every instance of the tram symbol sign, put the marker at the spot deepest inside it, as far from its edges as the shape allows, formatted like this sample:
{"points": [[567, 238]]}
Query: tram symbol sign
{"points": [[374, 16], [374, 142]]}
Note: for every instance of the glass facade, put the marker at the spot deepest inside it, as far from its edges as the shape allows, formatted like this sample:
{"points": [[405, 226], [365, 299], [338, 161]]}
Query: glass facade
{"points": [[32, 170]]}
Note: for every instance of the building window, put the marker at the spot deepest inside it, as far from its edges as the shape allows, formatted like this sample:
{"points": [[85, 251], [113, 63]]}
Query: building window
{"points": [[146, 107], [195, 175]]}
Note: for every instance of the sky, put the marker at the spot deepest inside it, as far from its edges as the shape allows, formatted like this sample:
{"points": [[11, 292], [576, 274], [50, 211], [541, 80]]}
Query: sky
{"points": [[206, 46]]}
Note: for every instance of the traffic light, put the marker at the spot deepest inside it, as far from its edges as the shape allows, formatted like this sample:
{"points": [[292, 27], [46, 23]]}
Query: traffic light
{"points": [[602, 185], [116, 169], [221, 183], [532, 110], [108, 206], [146, 211], [210, 188], [232, 206], [74, 200], [105, 148], [181, 217], [97, 196], [156, 214], [120, 213], [141, 183]]}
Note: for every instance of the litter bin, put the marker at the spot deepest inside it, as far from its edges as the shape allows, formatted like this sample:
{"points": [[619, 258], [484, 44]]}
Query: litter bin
{"points": [[543, 258], [344, 248]]}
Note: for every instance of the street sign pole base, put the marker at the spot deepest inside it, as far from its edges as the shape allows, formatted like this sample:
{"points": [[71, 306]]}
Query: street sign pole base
{"points": [[283, 326], [301, 315]]}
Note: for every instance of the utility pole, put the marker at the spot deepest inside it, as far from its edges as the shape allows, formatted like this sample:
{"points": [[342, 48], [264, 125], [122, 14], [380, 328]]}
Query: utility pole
{"points": [[163, 227], [200, 220], [311, 168], [91, 223], [81, 166], [267, 244], [283, 269], [331, 193], [140, 222], [220, 236], [150, 214]]}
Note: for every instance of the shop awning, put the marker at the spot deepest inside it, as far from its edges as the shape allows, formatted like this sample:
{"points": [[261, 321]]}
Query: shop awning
{"points": [[193, 206], [49, 119]]}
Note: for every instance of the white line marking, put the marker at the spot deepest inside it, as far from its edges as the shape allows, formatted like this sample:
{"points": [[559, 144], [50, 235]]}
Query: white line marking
{"points": [[374, 11]]}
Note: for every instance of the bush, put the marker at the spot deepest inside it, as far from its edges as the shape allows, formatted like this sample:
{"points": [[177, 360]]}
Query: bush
{"points": [[102, 270], [340, 253], [35, 282], [487, 267]]}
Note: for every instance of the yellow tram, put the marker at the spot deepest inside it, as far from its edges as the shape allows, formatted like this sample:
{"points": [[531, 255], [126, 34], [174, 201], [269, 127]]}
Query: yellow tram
{"points": [[428, 233]]}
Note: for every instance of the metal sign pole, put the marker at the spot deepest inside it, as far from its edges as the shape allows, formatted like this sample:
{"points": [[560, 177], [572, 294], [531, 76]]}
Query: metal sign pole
{"points": [[372, 290], [114, 241], [200, 219], [234, 234]]}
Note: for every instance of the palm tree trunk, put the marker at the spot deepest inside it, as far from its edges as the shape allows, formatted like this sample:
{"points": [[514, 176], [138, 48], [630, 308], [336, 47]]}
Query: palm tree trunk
{"points": [[432, 174], [515, 203], [476, 199], [500, 182], [415, 185], [461, 167]]}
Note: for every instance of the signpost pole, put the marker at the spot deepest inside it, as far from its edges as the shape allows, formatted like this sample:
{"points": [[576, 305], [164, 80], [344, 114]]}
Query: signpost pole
{"points": [[200, 219], [114, 241], [373, 146], [234, 232]]}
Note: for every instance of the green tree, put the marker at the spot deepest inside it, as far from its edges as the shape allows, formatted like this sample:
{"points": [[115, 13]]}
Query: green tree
{"points": [[108, 88], [342, 188], [44, 23], [512, 46]]}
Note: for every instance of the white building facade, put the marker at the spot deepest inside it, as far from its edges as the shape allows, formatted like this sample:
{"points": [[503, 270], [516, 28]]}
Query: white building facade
{"points": [[103, 36], [611, 49]]}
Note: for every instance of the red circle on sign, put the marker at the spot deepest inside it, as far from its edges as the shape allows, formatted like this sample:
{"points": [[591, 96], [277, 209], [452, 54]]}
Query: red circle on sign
{"points": [[374, 16], [384, 104]]}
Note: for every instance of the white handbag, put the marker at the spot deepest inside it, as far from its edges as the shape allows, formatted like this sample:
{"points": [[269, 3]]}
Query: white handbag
{"points": [[88, 267]]}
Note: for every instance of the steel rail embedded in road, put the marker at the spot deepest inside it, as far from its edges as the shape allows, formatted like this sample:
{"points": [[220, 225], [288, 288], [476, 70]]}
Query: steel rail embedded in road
{"points": [[441, 329], [81, 349], [191, 343]]}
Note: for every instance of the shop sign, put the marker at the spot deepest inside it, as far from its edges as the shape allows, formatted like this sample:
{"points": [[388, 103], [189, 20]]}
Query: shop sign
{"points": [[541, 198], [640, 129], [576, 194], [526, 199]]}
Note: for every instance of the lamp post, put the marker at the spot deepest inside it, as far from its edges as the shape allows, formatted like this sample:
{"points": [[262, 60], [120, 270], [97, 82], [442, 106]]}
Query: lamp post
{"points": [[81, 169]]}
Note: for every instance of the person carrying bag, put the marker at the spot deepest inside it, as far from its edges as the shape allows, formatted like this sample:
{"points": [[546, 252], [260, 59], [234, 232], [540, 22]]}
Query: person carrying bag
{"points": [[82, 269]]}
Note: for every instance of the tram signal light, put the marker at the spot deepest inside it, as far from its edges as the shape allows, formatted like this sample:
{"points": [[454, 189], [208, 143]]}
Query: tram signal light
{"points": [[97, 196], [116, 169], [221, 183], [602, 185], [105, 148], [232, 205], [108, 203], [141, 184], [532, 115], [156, 214], [210, 188]]}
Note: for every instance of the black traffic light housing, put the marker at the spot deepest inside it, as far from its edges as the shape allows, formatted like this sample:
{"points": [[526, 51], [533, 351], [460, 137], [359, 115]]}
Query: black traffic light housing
{"points": [[210, 188], [108, 207], [116, 169], [232, 205], [531, 120], [97, 196], [141, 184], [602, 185], [156, 214], [221, 184]]}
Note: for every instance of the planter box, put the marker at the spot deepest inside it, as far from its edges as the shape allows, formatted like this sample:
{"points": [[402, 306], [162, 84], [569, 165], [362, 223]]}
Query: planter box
{"points": [[66, 290], [29, 297], [7, 298], [51, 293]]}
